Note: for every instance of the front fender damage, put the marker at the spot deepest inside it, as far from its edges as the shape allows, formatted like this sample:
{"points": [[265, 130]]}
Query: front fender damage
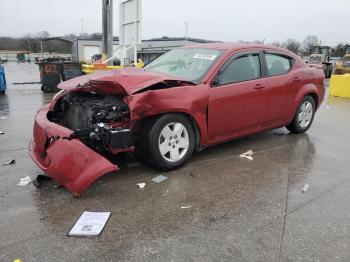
{"points": [[67, 160], [189, 100]]}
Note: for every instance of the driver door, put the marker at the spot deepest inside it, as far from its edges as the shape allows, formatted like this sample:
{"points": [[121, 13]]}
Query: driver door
{"points": [[237, 97]]}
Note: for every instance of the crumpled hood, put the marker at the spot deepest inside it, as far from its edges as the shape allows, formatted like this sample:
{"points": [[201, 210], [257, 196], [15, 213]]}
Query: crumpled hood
{"points": [[125, 81]]}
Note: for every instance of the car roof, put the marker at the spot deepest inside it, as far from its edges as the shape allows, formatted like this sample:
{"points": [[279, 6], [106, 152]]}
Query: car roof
{"points": [[235, 46]]}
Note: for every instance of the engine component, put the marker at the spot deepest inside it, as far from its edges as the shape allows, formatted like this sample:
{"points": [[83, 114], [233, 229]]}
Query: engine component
{"points": [[100, 121]]}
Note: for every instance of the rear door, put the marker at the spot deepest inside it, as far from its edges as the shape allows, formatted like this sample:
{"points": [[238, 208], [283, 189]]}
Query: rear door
{"points": [[281, 87], [237, 100]]}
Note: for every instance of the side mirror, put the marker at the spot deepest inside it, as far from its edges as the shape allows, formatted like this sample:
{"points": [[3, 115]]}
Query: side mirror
{"points": [[216, 81]]}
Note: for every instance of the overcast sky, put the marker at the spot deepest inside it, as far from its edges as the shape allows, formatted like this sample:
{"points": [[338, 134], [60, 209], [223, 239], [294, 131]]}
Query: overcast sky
{"points": [[225, 20]]}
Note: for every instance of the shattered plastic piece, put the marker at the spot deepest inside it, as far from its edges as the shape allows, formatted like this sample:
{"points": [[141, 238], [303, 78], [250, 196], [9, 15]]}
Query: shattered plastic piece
{"points": [[37, 181], [10, 162], [306, 186], [141, 185], [185, 207], [159, 178], [2, 133], [24, 181], [90, 224], [247, 155]]}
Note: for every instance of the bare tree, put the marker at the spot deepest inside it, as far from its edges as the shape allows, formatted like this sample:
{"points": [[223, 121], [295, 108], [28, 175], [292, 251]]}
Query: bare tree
{"points": [[96, 36], [309, 42], [292, 45], [339, 50], [27, 41], [277, 44]]}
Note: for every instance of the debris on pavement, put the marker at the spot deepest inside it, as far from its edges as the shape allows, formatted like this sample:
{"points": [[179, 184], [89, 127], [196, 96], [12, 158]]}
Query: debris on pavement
{"points": [[165, 193], [192, 175], [306, 186], [24, 181], [3, 117], [159, 178], [39, 178], [90, 224], [26, 83], [248, 155], [328, 106], [185, 207], [2, 133], [10, 162], [133, 164], [141, 185]]}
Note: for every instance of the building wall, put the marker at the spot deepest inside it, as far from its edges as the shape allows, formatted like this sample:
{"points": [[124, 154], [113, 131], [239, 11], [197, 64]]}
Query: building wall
{"points": [[147, 51]]}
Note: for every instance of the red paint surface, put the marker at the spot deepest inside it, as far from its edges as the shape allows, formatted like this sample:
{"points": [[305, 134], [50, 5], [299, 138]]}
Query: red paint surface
{"points": [[69, 162], [219, 113]]}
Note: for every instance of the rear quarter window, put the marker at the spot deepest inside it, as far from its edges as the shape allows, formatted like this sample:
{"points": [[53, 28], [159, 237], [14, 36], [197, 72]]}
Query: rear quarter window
{"points": [[278, 64]]}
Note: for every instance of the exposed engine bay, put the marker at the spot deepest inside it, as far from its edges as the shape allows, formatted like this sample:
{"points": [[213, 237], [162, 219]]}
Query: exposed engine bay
{"points": [[99, 121]]}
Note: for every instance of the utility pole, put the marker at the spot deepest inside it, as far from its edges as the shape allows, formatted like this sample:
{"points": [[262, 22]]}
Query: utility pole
{"points": [[107, 30], [82, 27]]}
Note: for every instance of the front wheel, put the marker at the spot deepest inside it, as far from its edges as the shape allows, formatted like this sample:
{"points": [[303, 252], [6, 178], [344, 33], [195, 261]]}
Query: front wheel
{"points": [[303, 116], [170, 141]]}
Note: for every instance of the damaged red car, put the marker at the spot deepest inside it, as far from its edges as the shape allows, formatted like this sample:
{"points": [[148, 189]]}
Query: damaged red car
{"points": [[185, 100]]}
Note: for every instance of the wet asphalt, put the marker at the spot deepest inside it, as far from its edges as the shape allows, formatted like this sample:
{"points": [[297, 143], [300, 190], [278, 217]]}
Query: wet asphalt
{"points": [[240, 210]]}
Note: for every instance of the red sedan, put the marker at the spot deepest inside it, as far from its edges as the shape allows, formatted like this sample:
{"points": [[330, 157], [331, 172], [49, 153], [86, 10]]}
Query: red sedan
{"points": [[185, 100]]}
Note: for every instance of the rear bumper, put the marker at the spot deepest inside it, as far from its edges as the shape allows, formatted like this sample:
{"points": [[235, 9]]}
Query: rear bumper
{"points": [[68, 161]]}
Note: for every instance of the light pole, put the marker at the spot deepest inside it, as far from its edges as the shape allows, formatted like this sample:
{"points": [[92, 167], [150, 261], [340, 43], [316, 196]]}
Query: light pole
{"points": [[82, 27]]}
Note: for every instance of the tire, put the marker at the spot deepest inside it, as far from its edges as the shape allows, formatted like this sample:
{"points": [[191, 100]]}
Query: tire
{"points": [[168, 141], [304, 116]]}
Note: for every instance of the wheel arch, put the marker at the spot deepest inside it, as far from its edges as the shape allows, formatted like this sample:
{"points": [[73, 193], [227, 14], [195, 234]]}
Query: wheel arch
{"points": [[310, 90], [194, 123]]}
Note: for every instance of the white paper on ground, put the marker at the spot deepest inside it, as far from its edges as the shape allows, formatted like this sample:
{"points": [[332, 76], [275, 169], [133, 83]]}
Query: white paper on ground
{"points": [[159, 179], [141, 185], [248, 155], [24, 181], [305, 188], [90, 224]]}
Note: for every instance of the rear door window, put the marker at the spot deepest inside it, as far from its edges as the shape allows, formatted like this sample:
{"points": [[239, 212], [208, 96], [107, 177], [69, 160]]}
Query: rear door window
{"points": [[277, 64], [243, 68]]}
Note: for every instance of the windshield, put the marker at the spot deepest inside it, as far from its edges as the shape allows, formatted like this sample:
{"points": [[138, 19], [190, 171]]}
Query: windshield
{"points": [[188, 63]]}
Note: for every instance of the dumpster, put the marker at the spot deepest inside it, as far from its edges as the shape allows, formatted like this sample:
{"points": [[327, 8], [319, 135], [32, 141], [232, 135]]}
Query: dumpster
{"points": [[70, 70], [52, 73], [50, 76], [2, 80]]}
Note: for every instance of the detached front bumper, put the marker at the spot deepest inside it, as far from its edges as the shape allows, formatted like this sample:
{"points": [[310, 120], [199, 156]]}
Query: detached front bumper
{"points": [[68, 161]]}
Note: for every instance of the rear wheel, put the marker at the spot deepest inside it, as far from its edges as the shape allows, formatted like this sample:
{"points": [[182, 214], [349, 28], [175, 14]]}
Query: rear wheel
{"points": [[169, 141], [303, 116]]}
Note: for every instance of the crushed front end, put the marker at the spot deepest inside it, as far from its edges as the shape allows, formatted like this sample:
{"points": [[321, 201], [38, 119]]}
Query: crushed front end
{"points": [[77, 136]]}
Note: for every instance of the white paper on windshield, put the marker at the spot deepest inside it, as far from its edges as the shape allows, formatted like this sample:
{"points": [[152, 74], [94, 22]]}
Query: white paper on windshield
{"points": [[90, 224], [205, 56]]}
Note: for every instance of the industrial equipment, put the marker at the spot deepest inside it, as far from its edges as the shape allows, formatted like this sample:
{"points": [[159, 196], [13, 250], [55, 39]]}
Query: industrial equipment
{"points": [[343, 66], [320, 55]]}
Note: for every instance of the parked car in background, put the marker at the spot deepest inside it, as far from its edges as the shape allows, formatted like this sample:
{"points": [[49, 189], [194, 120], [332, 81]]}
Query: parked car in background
{"points": [[183, 101]]}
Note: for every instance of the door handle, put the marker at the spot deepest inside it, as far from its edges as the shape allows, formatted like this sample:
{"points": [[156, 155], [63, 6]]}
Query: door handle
{"points": [[259, 86], [296, 79]]}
